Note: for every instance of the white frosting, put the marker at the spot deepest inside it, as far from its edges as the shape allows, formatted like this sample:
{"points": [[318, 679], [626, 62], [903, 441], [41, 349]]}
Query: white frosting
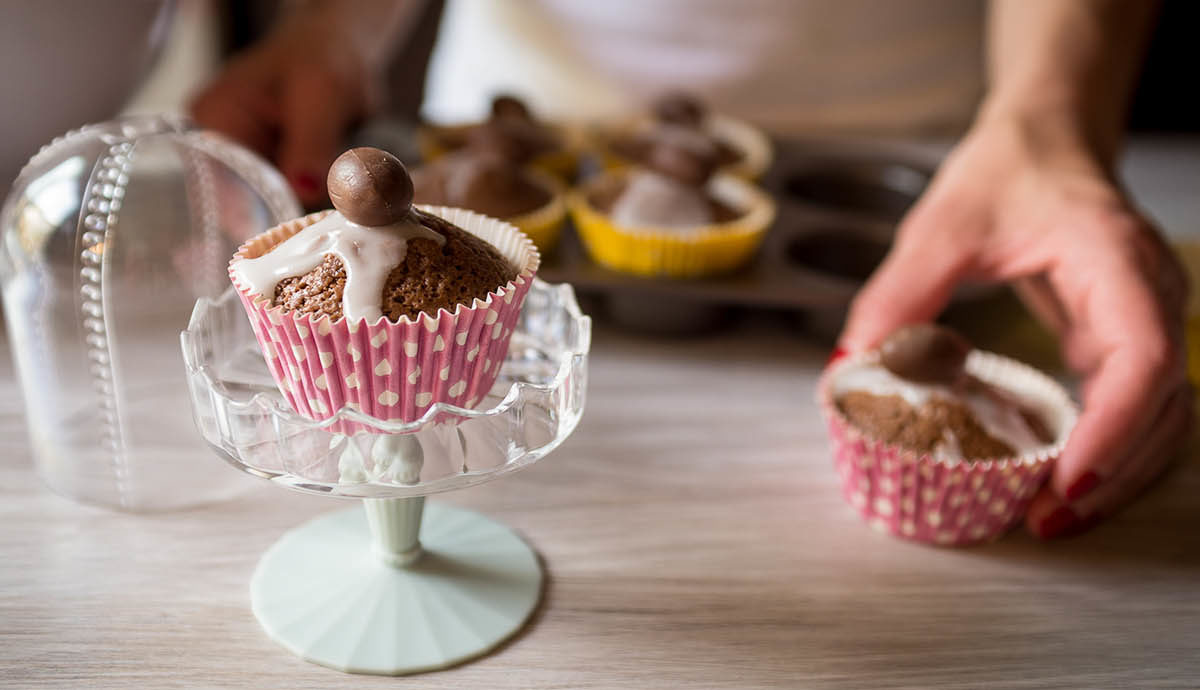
{"points": [[368, 254], [998, 415], [657, 200]]}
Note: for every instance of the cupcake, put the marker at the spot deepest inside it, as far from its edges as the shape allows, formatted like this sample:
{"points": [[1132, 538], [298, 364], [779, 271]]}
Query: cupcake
{"points": [[938, 442], [742, 150], [548, 146], [491, 176], [672, 216], [381, 306]]}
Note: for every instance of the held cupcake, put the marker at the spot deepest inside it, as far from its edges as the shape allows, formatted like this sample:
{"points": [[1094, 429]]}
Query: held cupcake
{"points": [[491, 176], [550, 146], [940, 443], [381, 306], [742, 149], [672, 217]]}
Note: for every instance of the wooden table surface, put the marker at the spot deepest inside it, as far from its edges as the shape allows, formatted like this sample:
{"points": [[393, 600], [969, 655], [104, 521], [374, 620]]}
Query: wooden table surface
{"points": [[693, 534]]}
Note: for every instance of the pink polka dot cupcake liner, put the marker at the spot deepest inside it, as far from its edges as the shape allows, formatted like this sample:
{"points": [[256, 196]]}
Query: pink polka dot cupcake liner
{"points": [[392, 371], [927, 499]]}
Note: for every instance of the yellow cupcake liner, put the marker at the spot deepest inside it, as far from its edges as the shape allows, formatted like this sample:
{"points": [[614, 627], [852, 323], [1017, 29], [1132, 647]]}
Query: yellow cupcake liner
{"points": [[544, 225], [752, 142], [671, 252], [563, 163]]}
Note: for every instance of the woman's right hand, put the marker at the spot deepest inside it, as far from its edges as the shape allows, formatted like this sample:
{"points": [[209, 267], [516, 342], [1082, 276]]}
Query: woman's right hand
{"points": [[294, 96], [1020, 202]]}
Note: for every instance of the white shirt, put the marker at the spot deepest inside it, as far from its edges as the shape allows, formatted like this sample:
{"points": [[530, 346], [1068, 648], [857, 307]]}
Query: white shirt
{"points": [[791, 66]]}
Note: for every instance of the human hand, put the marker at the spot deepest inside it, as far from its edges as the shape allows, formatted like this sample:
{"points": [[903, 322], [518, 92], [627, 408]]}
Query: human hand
{"points": [[294, 96], [1018, 202]]}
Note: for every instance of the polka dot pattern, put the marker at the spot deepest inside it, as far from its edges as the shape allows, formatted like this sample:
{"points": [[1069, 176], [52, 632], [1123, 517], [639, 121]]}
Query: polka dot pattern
{"points": [[917, 497], [392, 371], [921, 499]]}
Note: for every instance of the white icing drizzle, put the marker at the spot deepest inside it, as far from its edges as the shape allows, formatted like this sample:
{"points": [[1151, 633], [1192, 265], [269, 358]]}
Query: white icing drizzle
{"points": [[368, 254], [660, 201], [876, 380], [1000, 417]]}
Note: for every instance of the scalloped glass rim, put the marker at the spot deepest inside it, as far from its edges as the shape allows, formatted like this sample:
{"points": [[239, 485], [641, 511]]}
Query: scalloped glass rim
{"points": [[577, 349], [567, 360]]}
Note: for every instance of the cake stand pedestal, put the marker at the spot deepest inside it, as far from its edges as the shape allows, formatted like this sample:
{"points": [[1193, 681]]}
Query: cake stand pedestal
{"points": [[397, 586], [357, 591]]}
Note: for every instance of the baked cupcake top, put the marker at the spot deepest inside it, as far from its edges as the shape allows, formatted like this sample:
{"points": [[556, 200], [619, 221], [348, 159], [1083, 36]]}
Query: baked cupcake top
{"points": [[488, 176], [511, 117], [376, 255], [918, 395], [669, 191], [679, 118]]}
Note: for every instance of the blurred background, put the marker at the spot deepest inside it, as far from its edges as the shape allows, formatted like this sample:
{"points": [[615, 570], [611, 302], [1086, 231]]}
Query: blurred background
{"points": [[155, 53], [839, 197]]}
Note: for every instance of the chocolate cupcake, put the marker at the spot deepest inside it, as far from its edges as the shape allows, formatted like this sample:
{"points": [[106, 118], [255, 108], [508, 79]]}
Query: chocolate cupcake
{"points": [[491, 176], [741, 149], [938, 442], [547, 147], [672, 216], [382, 306]]}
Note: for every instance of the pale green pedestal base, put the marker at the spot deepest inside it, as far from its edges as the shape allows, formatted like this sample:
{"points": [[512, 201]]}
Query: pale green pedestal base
{"points": [[374, 601]]}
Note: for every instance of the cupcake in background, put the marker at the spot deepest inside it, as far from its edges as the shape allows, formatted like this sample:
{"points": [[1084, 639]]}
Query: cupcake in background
{"points": [[742, 149], [549, 147], [938, 442], [491, 175], [380, 306], [673, 215]]}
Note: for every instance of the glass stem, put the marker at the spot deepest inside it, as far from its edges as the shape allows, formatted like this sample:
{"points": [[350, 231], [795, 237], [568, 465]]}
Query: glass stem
{"points": [[395, 528]]}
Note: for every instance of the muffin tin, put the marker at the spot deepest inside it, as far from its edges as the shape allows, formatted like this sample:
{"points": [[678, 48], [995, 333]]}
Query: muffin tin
{"points": [[838, 208], [839, 203]]}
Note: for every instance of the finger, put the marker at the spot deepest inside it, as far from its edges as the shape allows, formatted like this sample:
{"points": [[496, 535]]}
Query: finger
{"points": [[1049, 516], [916, 279], [1118, 412], [1128, 345], [317, 114], [1149, 459]]}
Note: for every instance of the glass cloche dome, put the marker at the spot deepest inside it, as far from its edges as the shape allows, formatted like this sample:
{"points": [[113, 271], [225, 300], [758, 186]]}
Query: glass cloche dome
{"points": [[109, 236]]}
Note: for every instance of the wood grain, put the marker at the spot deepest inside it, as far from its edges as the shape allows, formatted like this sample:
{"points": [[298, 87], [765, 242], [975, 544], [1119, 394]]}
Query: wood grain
{"points": [[694, 536]]}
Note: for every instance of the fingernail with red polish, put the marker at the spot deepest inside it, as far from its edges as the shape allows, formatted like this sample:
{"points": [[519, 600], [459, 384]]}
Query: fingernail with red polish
{"points": [[1083, 486], [838, 353], [1059, 523], [306, 183]]}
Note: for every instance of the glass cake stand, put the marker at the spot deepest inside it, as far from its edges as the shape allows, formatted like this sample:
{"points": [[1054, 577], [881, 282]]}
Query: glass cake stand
{"points": [[399, 587]]}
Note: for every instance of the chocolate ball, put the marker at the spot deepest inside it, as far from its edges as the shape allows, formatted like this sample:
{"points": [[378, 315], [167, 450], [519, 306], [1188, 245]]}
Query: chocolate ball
{"points": [[508, 107], [370, 187], [688, 165], [680, 109], [925, 353]]}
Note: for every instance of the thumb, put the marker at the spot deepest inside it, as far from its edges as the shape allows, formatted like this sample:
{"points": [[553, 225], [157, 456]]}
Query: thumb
{"points": [[915, 280], [316, 116]]}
